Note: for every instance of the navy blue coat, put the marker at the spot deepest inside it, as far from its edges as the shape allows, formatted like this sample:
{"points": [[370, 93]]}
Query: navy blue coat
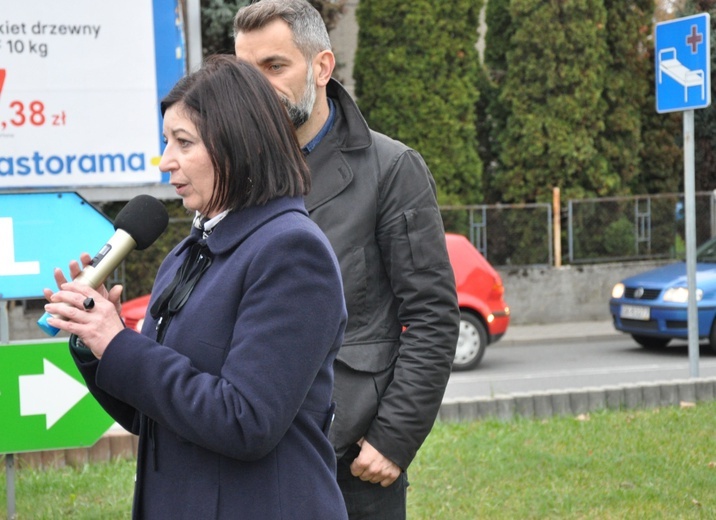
{"points": [[239, 395]]}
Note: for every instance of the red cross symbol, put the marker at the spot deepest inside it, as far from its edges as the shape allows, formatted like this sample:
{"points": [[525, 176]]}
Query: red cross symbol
{"points": [[694, 39]]}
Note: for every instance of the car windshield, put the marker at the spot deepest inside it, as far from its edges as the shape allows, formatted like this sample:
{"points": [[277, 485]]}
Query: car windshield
{"points": [[707, 252]]}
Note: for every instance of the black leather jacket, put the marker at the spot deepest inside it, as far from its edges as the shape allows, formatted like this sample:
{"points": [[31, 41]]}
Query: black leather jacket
{"points": [[375, 199]]}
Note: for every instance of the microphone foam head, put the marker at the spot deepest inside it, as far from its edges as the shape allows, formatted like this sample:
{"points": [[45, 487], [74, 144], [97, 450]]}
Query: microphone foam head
{"points": [[144, 218]]}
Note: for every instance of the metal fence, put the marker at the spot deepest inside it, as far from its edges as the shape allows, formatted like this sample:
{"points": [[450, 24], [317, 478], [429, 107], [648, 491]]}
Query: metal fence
{"points": [[615, 229], [506, 234], [592, 231]]}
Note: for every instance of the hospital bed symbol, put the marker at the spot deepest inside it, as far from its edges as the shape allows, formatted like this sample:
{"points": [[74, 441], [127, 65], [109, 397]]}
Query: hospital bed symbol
{"points": [[682, 62], [672, 67]]}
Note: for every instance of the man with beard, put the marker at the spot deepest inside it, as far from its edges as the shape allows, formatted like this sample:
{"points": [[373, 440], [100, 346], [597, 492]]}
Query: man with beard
{"points": [[375, 200]]}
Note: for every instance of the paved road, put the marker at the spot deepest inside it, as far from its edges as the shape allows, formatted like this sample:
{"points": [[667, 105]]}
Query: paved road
{"points": [[558, 357]]}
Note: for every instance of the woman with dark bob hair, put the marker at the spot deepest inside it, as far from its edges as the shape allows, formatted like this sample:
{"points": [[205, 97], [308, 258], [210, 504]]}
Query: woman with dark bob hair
{"points": [[229, 384]]}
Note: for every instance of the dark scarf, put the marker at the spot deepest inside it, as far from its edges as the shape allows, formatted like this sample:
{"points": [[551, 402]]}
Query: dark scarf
{"points": [[178, 291]]}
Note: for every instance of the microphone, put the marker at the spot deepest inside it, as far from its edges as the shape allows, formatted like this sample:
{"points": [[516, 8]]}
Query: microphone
{"points": [[139, 223]]}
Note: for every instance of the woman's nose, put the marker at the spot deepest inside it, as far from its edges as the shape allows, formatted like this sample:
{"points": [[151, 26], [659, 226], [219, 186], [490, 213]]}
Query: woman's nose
{"points": [[167, 163]]}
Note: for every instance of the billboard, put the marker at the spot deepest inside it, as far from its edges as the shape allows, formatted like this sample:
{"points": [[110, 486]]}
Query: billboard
{"points": [[80, 85]]}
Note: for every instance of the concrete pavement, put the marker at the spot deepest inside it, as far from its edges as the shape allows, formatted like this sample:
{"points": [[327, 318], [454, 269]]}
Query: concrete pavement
{"points": [[560, 332], [576, 401]]}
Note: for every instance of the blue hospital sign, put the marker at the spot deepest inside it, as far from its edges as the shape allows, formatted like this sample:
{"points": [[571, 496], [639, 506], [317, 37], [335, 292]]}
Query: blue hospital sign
{"points": [[683, 64]]}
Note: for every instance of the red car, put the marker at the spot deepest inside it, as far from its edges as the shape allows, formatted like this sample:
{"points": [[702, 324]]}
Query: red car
{"points": [[133, 312], [484, 315]]}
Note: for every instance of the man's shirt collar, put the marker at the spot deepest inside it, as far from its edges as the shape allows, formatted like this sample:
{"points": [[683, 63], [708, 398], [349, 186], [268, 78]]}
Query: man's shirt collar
{"points": [[326, 128]]}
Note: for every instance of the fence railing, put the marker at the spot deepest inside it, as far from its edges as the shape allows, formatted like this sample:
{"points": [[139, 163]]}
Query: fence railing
{"points": [[506, 234], [644, 227], [588, 231]]}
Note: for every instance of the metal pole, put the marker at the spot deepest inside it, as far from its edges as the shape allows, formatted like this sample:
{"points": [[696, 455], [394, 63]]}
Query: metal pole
{"points": [[9, 457], [4, 324], [570, 231], [690, 214], [10, 478], [193, 35]]}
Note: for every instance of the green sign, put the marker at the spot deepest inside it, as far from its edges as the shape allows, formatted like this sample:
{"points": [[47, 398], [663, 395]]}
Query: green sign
{"points": [[44, 403]]}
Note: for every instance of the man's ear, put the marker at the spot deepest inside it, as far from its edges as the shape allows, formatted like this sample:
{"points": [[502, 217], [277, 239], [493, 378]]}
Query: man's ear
{"points": [[323, 64]]}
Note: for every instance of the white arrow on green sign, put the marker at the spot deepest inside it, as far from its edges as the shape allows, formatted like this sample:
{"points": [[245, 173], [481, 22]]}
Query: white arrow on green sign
{"points": [[44, 403]]}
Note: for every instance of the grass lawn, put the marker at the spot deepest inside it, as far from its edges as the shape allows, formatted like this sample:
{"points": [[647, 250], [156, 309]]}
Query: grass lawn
{"points": [[650, 464]]}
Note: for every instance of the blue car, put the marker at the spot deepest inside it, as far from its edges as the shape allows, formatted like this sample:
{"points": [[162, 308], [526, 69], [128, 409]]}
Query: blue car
{"points": [[652, 306]]}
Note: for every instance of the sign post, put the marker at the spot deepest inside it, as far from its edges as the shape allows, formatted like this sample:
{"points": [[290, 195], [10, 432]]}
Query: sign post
{"points": [[44, 404], [9, 458], [38, 232], [683, 73]]}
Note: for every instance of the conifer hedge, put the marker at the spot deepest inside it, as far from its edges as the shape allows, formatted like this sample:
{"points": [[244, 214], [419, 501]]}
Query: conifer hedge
{"points": [[415, 73]]}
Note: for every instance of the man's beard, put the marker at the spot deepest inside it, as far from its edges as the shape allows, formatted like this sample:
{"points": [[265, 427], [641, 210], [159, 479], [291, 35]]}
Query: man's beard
{"points": [[301, 111]]}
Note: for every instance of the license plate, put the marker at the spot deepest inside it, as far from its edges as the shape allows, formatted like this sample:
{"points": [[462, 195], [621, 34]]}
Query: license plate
{"points": [[634, 312]]}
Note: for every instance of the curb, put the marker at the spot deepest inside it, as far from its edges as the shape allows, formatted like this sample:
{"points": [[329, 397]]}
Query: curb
{"points": [[539, 405], [561, 339]]}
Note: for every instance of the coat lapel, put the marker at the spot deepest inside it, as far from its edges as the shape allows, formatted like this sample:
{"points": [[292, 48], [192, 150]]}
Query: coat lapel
{"points": [[330, 174]]}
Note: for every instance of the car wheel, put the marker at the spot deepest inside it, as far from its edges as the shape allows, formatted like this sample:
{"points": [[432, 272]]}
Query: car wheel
{"points": [[651, 342], [471, 343]]}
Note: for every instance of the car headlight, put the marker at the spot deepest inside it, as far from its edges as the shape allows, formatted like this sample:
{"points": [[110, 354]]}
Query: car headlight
{"points": [[681, 295], [618, 290]]}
